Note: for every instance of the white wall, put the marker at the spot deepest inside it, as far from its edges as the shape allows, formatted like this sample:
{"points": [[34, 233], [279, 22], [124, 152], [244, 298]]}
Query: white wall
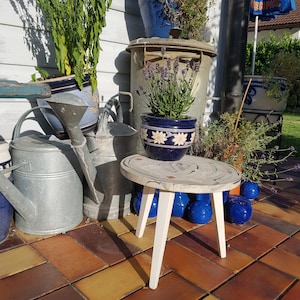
{"points": [[265, 34], [17, 60]]}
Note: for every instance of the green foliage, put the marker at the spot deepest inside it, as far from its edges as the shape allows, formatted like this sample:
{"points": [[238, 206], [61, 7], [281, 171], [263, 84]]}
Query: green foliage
{"points": [[190, 16], [75, 27], [43, 74], [290, 131], [277, 57], [169, 89], [243, 144]]}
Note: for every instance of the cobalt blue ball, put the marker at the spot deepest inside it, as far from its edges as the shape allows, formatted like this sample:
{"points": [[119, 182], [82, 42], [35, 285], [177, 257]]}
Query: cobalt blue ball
{"points": [[181, 201], [137, 204], [238, 209], [250, 189], [199, 212]]}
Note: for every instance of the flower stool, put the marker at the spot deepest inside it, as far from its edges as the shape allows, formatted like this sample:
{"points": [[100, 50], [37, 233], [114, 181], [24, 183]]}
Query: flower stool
{"points": [[191, 174]]}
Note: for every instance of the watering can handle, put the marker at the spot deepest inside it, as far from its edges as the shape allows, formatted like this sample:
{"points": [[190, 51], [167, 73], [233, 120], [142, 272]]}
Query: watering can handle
{"points": [[17, 129]]}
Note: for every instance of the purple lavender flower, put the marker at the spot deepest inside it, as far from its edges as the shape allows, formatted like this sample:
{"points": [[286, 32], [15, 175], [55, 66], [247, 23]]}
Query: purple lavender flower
{"points": [[176, 65], [273, 190]]}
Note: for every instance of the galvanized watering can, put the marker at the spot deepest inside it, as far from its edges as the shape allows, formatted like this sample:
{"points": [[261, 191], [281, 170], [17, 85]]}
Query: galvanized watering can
{"points": [[47, 193], [107, 194]]}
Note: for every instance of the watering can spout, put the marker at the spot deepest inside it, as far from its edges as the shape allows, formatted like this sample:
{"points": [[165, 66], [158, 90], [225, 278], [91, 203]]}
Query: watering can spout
{"points": [[70, 109], [22, 205]]}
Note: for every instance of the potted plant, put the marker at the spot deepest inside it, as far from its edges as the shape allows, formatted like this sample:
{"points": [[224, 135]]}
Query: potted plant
{"points": [[167, 132], [160, 16], [188, 15], [276, 82], [244, 144], [75, 27]]}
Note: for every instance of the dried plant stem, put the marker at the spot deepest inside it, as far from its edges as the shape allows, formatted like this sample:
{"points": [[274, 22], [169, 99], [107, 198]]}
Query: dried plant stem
{"points": [[242, 104]]}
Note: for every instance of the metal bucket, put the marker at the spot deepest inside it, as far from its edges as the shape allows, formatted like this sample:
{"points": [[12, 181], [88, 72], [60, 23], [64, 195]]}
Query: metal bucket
{"points": [[50, 176], [112, 142]]}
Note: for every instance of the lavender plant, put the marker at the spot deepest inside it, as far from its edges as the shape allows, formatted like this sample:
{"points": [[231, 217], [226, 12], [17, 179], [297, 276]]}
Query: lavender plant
{"points": [[168, 89], [245, 145]]}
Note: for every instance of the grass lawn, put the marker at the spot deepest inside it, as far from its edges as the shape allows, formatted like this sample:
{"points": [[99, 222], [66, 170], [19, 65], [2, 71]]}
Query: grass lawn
{"points": [[291, 131]]}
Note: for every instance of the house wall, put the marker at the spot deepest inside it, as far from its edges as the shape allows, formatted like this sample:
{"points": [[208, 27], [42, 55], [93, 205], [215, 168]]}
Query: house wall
{"points": [[24, 44], [265, 34]]}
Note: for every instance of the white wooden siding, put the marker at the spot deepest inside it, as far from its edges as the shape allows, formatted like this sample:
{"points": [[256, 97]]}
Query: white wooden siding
{"points": [[17, 61]]}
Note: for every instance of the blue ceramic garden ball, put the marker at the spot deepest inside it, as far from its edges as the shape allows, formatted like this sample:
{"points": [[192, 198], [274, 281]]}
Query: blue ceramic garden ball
{"points": [[250, 189], [137, 204], [238, 209]]}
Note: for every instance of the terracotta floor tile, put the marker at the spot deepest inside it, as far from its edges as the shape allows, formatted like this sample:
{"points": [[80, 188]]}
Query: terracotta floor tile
{"points": [[293, 293], [183, 225], [29, 238], [64, 293], [31, 283], [210, 297], [69, 257], [117, 281], [194, 268], [284, 199], [292, 245], [11, 241], [257, 241], [121, 226], [171, 286], [259, 282], [286, 257], [173, 231], [231, 230], [234, 260], [275, 223], [143, 243], [197, 243], [283, 214], [19, 259], [103, 243]]}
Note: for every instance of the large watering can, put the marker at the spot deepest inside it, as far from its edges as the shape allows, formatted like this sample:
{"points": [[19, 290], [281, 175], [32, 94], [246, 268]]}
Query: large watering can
{"points": [[47, 192], [107, 192]]}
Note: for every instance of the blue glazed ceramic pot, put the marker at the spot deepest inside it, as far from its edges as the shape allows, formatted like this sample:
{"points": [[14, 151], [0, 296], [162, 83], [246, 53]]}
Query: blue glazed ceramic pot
{"points": [[238, 209], [250, 190], [155, 22], [137, 204], [180, 203], [166, 139]]}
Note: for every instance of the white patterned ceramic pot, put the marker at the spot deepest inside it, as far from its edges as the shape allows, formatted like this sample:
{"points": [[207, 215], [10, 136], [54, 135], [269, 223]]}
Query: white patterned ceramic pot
{"points": [[67, 84], [166, 139], [258, 105]]}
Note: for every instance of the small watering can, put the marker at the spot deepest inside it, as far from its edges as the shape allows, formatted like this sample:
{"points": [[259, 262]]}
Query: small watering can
{"points": [[107, 193], [109, 144], [47, 192]]}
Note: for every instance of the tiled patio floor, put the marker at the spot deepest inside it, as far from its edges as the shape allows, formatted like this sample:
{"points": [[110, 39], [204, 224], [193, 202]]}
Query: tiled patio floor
{"points": [[104, 260]]}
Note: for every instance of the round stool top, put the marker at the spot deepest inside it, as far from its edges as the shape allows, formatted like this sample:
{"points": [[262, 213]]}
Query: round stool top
{"points": [[191, 174]]}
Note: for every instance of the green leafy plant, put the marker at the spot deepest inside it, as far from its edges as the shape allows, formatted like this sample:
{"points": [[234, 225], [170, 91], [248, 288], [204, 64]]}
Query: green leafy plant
{"points": [[169, 89], [189, 15], [75, 27], [244, 144], [277, 57]]}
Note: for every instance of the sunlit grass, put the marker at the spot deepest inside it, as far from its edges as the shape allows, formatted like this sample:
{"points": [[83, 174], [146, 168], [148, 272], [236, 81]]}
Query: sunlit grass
{"points": [[291, 131]]}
